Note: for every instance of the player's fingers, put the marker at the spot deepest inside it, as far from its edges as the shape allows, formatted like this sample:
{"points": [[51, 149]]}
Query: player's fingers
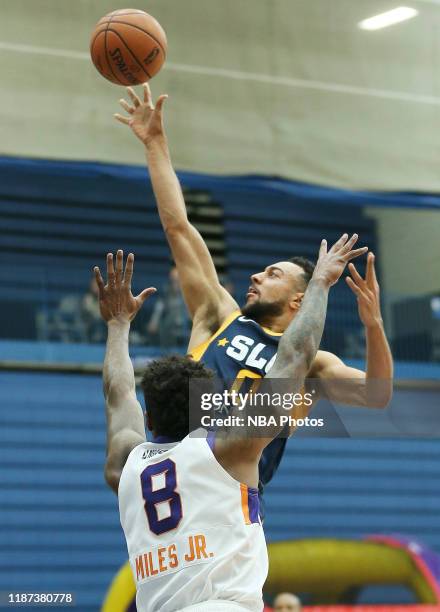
{"points": [[339, 243], [119, 265], [110, 269], [147, 95], [356, 290], [160, 102], [122, 119], [349, 244], [134, 97], [375, 284], [373, 257], [356, 253], [128, 273], [145, 294], [370, 275], [99, 280], [126, 106], [357, 278], [323, 248]]}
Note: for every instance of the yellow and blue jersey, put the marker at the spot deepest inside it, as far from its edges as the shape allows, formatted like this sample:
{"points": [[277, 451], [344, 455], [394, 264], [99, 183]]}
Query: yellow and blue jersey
{"points": [[240, 352]]}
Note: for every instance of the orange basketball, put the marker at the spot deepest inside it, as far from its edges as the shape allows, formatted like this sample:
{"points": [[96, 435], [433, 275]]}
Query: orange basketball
{"points": [[128, 47]]}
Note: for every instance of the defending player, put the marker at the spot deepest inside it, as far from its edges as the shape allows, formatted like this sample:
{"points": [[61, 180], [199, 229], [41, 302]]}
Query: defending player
{"points": [[239, 344], [189, 505]]}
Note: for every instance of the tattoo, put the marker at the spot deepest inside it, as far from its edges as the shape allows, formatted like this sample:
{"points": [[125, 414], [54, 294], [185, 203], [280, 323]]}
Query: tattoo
{"points": [[300, 342]]}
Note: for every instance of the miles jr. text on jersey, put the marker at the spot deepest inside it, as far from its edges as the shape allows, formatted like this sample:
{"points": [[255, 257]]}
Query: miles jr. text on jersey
{"points": [[173, 557]]}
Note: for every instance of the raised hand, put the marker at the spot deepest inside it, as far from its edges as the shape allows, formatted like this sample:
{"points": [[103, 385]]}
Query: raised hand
{"points": [[145, 120], [116, 301], [367, 292], [331, 264]]}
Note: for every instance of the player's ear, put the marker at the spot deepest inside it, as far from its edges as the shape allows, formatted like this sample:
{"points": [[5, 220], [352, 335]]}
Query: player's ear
{"points": [[296, 301]]}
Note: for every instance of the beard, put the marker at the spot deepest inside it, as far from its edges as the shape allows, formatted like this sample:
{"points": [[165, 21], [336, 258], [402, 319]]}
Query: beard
{"points": [[263, 312]]}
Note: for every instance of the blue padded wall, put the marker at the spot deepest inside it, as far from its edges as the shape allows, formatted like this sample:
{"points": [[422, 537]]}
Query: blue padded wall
{"points": [[351, 488], [59, 523]]}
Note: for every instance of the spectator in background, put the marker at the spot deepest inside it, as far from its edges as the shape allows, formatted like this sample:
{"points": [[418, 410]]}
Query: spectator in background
{"points": [[169, 324], [62, 323], [287, 602], [95, 331]]}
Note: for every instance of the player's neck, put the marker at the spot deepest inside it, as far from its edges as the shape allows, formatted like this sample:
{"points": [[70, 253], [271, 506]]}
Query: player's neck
{"points": [[277, 324], [159, 439]]}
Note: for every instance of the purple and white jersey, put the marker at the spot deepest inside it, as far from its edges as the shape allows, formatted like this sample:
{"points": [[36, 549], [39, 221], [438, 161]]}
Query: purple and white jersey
{"points": [[193, 532]]}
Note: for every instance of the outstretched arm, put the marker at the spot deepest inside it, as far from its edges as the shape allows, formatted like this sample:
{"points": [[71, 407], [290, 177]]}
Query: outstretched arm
{"points": [[125, 421], [240, 451], [207, 301], [374, 387]]}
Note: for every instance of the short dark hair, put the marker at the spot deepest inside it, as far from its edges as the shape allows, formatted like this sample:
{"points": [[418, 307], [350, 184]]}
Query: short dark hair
{"points": [[165, 385], [307, 266]]}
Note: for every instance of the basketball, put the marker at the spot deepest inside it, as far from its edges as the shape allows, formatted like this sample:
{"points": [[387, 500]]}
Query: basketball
{"points": [[128, 47]]}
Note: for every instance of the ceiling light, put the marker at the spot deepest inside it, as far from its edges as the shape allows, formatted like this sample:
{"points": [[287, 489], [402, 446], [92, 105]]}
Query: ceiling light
{"points": [[401, 13]]}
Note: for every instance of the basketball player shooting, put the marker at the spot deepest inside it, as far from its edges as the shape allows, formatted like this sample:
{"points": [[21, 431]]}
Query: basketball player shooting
{"points": [[189, 504], [242, 343]]}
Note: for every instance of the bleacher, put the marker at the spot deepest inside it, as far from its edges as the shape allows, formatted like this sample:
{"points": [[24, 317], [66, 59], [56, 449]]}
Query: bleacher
{"points": [[59, 220]]}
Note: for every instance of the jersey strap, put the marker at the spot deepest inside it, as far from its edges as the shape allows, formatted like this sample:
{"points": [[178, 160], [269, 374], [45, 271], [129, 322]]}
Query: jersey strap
{"points": [[197, 353], [250, 504]]}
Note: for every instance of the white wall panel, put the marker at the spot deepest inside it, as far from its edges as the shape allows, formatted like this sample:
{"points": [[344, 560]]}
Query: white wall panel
{"points": [[290, 87]]}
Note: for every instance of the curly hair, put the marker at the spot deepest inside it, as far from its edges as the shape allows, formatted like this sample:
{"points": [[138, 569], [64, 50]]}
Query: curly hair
{"points": [[165, 385]]}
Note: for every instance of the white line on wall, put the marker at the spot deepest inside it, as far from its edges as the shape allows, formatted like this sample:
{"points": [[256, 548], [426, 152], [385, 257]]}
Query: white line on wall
{"points": [[239, 75]]}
